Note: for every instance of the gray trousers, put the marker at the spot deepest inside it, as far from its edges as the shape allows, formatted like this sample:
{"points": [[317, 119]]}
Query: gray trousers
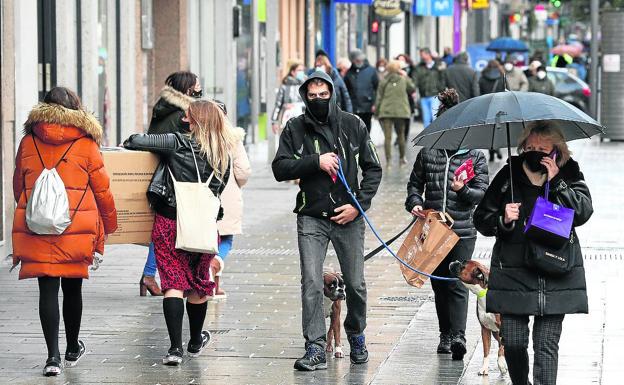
{"points": [[314, 236], [546, 334]]}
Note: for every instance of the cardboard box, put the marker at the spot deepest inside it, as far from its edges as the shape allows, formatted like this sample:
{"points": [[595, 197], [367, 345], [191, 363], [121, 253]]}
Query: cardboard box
{"points": [[130, 173]]}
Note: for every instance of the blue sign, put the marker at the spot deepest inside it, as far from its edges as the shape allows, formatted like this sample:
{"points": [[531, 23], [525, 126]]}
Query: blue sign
{"points": [[433, 7], [366, 2], [479, 55]]}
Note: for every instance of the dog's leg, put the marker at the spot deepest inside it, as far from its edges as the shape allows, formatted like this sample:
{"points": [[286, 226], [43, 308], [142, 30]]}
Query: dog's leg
{"points": [[329, 347], [502, 364], [335, 325], [486, 337]]}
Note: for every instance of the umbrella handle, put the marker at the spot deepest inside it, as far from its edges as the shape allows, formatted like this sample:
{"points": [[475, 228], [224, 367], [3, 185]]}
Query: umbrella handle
{"points": [[510, 169]]}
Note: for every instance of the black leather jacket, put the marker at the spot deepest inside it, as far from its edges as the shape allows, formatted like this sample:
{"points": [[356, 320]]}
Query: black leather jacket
{"points": [[174, 151]]}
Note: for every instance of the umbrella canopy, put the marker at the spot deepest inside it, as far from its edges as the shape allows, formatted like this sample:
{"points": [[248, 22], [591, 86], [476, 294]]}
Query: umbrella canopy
{"points": [[573, 50], [507, 44], [482, 122]]}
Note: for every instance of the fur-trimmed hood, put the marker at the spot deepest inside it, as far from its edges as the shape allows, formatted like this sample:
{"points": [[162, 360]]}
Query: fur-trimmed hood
{"points": [[59, 122], [176, 98], [239, 133]]}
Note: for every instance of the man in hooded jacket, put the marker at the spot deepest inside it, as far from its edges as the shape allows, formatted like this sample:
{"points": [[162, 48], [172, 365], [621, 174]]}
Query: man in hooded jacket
{"points": [[312, 148]]}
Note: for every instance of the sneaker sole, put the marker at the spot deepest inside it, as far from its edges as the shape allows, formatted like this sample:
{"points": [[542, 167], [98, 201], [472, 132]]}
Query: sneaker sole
{"points": [[311, 368], [358, 362], [172, 362], [459, 351], [52, 372]]}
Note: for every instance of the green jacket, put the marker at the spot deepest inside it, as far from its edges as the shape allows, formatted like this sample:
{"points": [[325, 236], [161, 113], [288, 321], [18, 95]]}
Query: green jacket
{"points": [[392, 97], [544, 86], [429, 81]]}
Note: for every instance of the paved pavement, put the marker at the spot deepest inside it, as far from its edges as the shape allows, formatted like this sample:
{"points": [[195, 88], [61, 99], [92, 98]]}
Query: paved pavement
{"points": [[257, 330]]}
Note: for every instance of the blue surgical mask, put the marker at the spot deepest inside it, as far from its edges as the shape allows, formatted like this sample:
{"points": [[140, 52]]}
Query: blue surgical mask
{"points": [[300, 75]]}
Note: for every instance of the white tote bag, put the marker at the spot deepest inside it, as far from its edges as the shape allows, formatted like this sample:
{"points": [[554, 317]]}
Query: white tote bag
{"points": [[197, 211]]}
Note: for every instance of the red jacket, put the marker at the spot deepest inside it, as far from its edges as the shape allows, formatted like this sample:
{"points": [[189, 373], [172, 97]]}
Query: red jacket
{"points": [[69, 254]]}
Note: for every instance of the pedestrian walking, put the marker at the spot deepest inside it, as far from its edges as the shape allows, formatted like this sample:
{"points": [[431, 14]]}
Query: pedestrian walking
{"points": [[180, 90], [434, 184], [343, 99], [463, 78], [392, 108], [430, 79], [540, 82], [381, 66], [491, 81], [342, 65], [516, 289], [362, 82], [448, 56], [515, 78], [288, 103], [407, 65], [60, 135], [232, 202], [311, 148], [203, 152]]}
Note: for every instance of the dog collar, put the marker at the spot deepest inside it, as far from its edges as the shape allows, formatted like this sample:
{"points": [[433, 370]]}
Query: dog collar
{"points": [[482, 293]]}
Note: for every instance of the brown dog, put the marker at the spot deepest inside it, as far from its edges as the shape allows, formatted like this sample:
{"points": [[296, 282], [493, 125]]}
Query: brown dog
{"points": [[334, 291], [475, 277]]}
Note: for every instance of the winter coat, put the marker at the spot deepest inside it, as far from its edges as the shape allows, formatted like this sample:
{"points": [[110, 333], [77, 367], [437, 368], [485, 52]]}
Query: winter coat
{"points": [[175, 151], [392, 97], [514, 287], [491, 81], [69, 254], [362, 85], [288, 93], [232, 197], [303, 141], [433, 174], [343, 99], [544, 86], [464, 79], [429, 81], [517, 81], [168, 112]]}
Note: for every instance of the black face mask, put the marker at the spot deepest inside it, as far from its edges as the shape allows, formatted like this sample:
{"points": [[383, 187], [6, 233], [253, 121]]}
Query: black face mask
{"points": [[319, 109], [533, 158], [197, 94]]}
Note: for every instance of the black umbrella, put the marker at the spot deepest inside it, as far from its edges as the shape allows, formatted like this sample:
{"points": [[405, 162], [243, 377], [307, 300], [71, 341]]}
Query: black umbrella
{"points": [[496, 120]]}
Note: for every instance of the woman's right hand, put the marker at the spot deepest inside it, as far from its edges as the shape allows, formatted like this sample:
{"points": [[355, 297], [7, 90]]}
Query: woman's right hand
{"points": [[512, 212], [417, 211], [275, 128]]}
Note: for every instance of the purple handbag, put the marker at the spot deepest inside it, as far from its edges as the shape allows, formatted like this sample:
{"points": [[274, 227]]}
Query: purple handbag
{"points": [[549, 223]]}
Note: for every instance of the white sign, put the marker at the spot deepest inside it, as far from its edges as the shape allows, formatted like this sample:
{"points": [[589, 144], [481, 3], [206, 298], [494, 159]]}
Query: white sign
{"points": [[611, 63]]}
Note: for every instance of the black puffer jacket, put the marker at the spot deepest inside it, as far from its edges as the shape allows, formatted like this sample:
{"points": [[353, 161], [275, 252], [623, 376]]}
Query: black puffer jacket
{"points": [[491, 81], [514, 287], [302, 142], [168, 112], [433, 174], [176, 151]]}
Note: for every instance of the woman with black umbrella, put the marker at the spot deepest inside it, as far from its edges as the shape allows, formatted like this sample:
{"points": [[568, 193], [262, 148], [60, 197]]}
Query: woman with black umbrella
{"points": [[516, 289]]}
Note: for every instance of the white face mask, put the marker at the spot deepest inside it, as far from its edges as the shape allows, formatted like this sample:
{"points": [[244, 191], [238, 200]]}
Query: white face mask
{"points": [[320, 68], [508, 67], [381, 68], [541, 75]]}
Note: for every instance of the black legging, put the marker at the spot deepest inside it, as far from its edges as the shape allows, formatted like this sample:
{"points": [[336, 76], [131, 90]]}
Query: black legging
{"points": [[49, 312]]}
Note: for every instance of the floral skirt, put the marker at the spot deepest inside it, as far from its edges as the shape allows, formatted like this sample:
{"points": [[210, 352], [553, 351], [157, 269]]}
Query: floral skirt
{"points": [[179, 269]]}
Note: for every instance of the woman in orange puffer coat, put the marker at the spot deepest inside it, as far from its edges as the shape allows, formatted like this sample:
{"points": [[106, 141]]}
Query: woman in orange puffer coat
{"points": [[52, 127]]}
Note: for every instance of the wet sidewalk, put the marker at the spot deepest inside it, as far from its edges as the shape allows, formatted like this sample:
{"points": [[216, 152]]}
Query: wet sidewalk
{"points": [[257, 330]]}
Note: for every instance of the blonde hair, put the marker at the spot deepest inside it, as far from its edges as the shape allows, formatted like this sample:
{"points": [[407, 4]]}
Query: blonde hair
{"points": [[394, 66], [549, 130], [212, 131]]}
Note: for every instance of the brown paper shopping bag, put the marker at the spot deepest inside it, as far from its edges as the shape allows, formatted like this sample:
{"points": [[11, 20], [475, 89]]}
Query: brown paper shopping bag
{"points": [[427, 244]]}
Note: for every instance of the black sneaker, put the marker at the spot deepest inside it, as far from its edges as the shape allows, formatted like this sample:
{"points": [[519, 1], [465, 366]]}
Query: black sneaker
{"points": [[53, 367], [196, 350], [71, 359], [359, 354], [458, 346], [313, 359], [173, 357], [444, 347]]}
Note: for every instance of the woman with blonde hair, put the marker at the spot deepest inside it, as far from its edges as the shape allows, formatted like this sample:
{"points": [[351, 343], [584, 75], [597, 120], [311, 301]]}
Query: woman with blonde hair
{"points": [[517, 289], [204, 149]]}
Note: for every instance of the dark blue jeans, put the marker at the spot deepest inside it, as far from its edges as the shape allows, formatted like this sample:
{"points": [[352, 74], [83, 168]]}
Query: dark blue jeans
{"points": [[314, 236]]}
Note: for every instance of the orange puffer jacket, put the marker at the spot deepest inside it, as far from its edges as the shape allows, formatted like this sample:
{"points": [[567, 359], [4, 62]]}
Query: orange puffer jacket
{"points": [[67, 255]]}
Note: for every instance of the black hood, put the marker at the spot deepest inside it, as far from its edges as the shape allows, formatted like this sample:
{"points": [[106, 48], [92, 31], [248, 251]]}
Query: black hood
{"points": [[163, 108], [491, 74], [303, 92]]}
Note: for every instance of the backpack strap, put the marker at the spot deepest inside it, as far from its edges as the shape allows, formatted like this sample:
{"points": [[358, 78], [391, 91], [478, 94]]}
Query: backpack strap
{"points": [[62, 156]]}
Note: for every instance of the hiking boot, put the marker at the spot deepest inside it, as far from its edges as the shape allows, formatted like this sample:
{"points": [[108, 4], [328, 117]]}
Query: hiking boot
{"points": [[313, 359], [444, 347], [196, 350], [71, 359], [458, 346], [359, 354], [173, 357], [53, 367]]}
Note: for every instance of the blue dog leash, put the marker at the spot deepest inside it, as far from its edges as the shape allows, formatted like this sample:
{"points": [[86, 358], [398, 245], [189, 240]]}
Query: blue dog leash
{"points": [[343, 179]]}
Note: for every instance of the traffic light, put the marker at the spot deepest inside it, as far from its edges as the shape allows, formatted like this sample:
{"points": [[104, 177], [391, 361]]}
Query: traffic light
{"points": [[373, 36]]}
